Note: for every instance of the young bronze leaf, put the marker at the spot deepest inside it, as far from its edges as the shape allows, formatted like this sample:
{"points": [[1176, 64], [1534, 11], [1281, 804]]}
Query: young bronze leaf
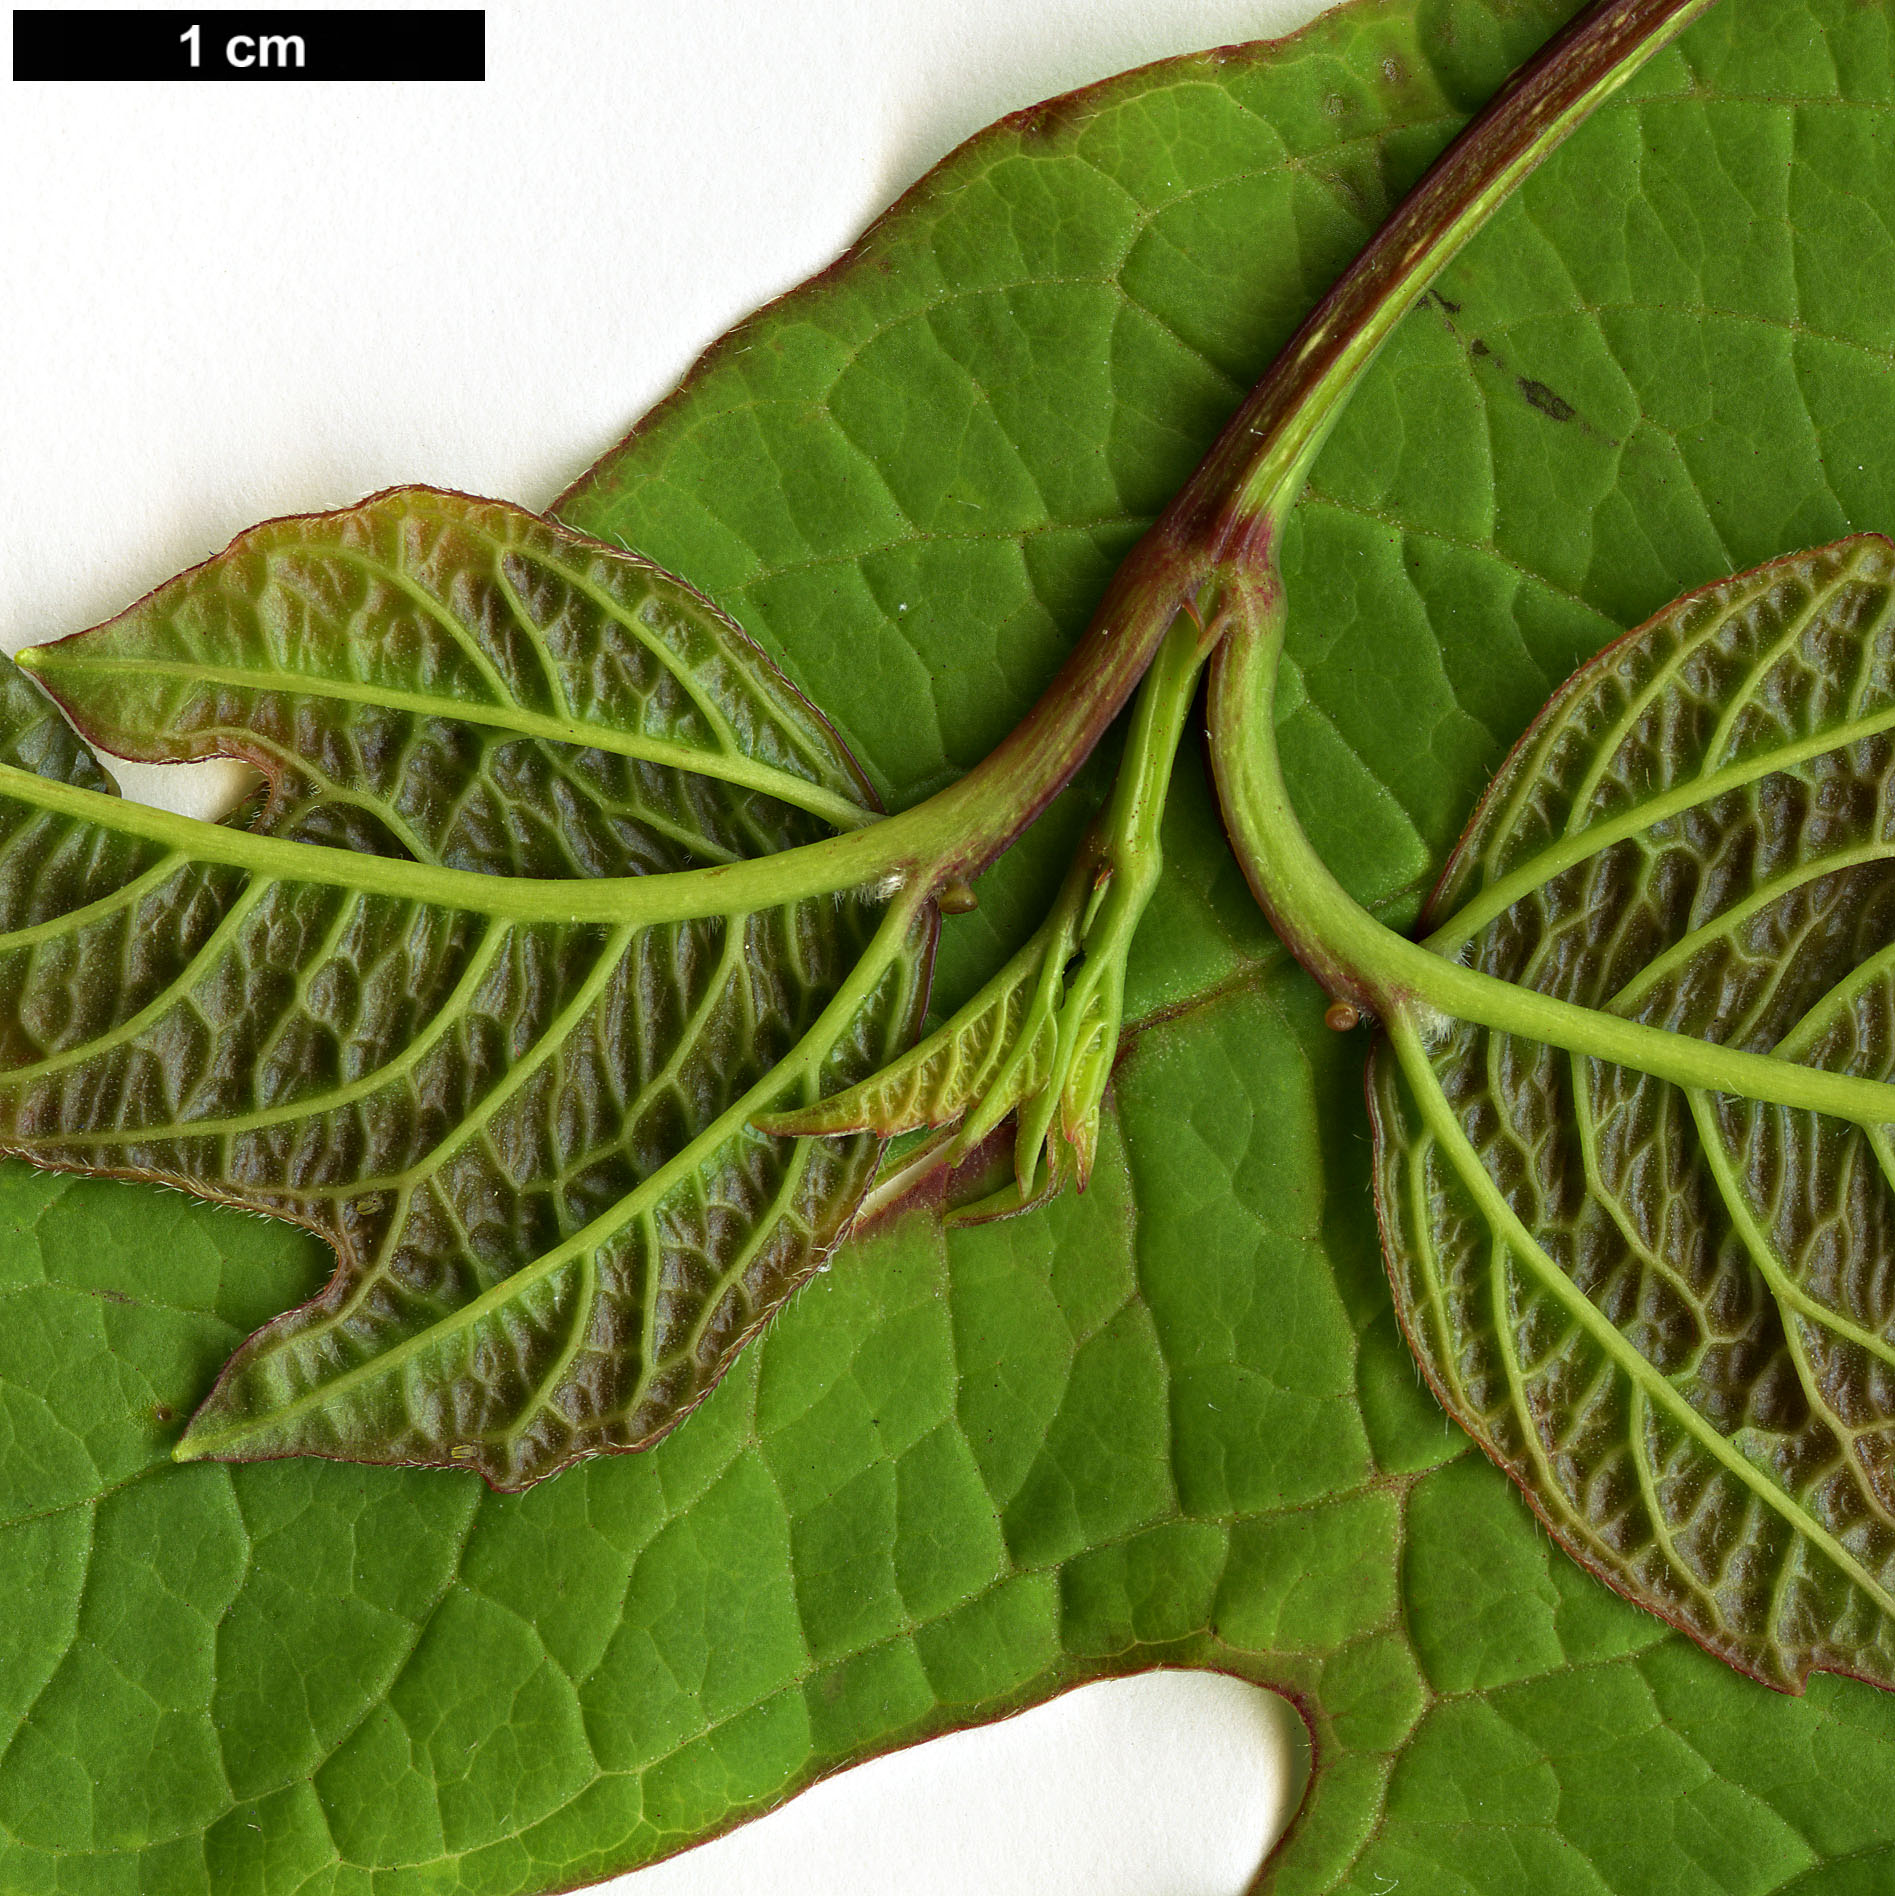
{"points": [[385, 661], [995, 1052], [1667, 1306], [453, 1000]]}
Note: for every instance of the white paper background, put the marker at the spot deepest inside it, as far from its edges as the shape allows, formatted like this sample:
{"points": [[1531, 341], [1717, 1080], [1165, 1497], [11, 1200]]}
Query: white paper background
{"points": [[228, 302]]}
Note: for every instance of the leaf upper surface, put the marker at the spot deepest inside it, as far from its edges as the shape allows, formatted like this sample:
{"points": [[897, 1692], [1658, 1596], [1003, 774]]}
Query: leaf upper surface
{"points": [[1172, 1422]]}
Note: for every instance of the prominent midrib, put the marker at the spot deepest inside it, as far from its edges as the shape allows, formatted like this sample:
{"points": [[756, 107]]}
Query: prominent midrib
{"points": [[1447, 988], [1506, 1224], [1497, 897], [1354, 954], [836, 864], [745, 773]]}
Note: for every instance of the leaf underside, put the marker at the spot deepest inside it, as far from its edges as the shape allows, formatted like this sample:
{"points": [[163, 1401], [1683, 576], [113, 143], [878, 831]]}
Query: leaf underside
{"points": [[527, 1139], [1669, 1310], [1170, 1423], [985, 1055]]}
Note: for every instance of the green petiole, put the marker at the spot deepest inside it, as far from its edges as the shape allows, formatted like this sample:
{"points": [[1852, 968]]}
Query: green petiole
{"points": [[1359, 960]]}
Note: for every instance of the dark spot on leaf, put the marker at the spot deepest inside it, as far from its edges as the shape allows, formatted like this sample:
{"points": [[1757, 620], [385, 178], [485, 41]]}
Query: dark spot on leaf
{"points": [[164, 1412], [1039, 122], [1543, 398], [1477, 349]]}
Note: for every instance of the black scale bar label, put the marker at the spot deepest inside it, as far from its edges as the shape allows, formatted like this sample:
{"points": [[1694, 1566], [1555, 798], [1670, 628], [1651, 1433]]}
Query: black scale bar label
{"points": [[272, 45]]}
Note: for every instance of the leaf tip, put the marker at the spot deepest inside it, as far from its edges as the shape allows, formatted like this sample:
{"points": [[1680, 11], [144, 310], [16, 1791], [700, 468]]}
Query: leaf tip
{"points": [[199, 1443]]}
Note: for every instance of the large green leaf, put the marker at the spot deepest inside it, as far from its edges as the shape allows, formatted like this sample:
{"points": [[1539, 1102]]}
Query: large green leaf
{"points": [[1172, 1420]]}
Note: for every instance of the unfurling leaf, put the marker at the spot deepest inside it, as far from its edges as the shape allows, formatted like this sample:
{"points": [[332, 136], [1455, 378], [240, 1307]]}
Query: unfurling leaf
{"points": [[1667, 1306], [1039, 1040], [995, 1052], [995, 1056], [488, 993]]}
